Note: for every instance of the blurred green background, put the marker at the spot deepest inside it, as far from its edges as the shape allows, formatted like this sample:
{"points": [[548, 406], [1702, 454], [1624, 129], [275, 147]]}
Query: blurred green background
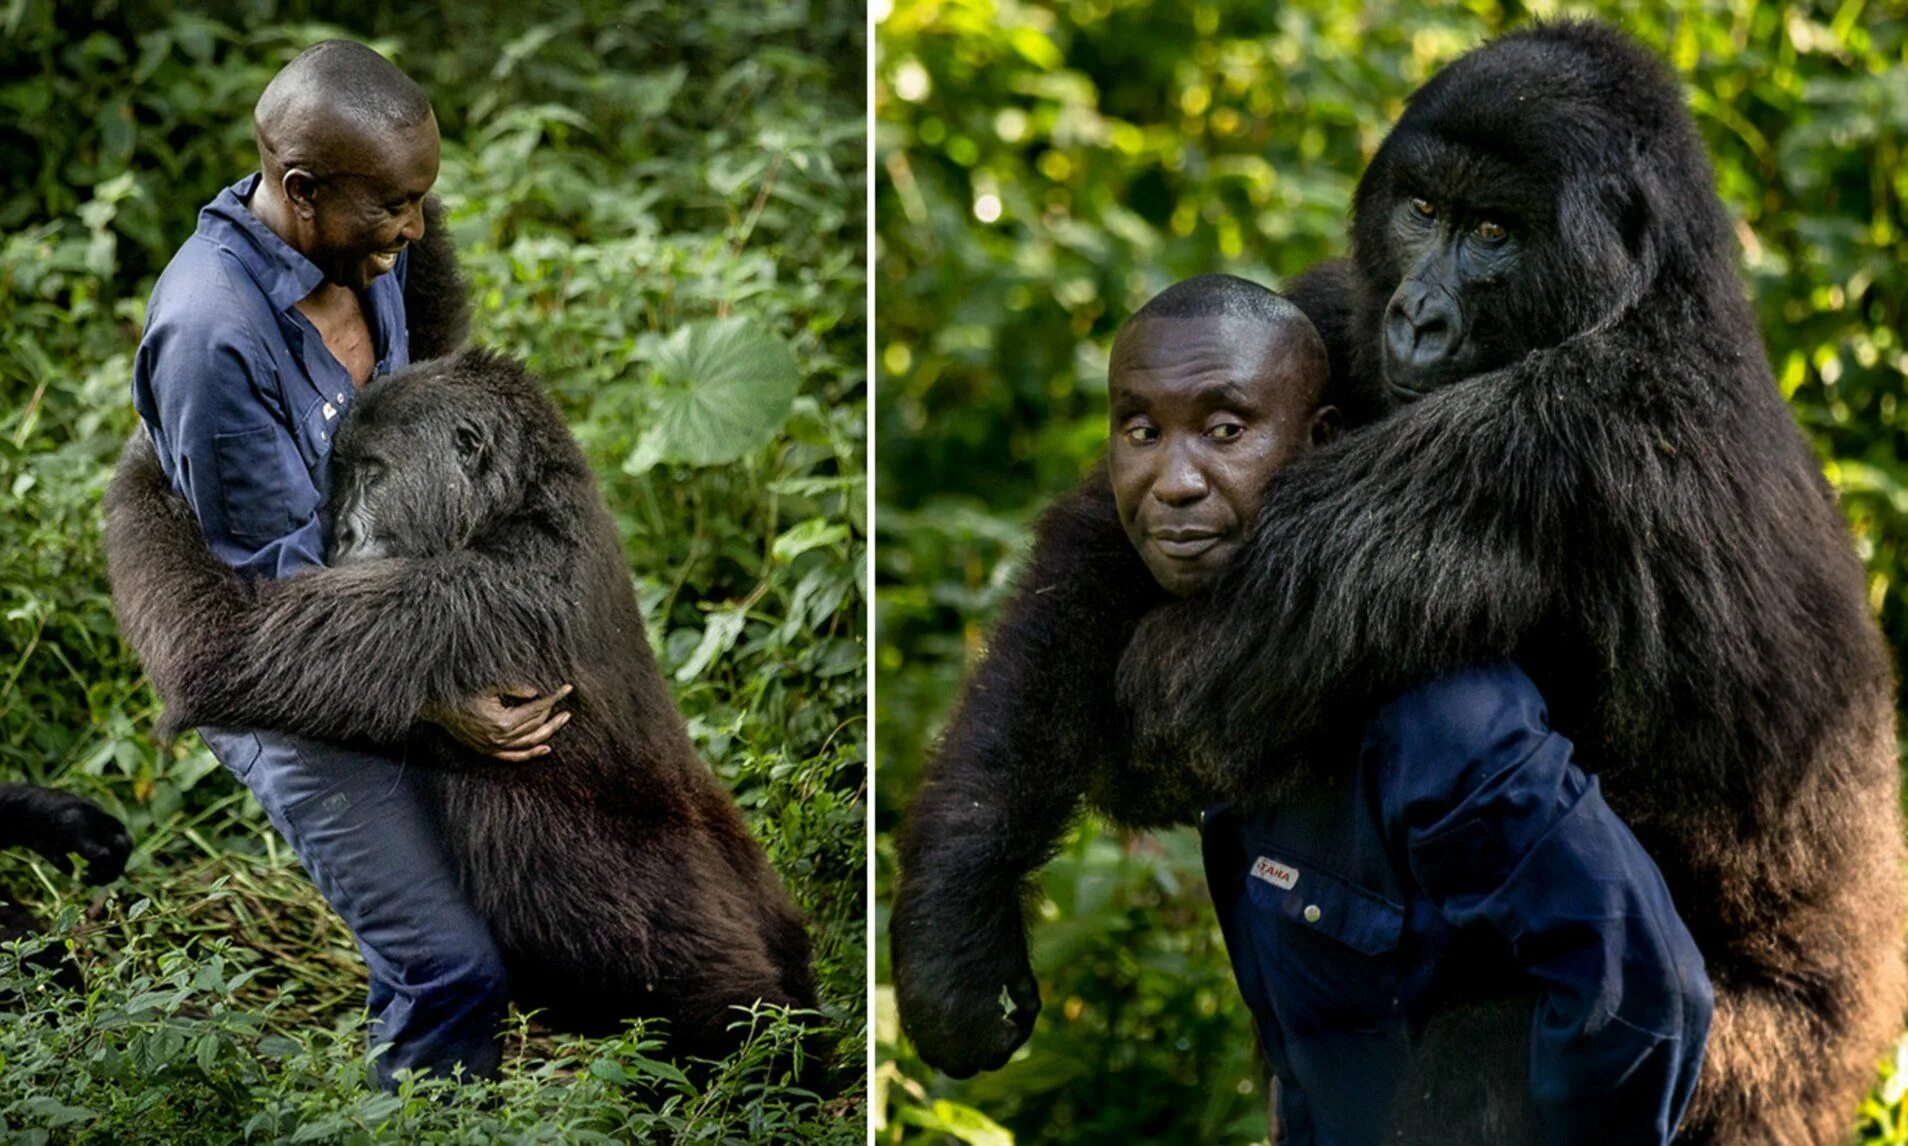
{"points": [[1041, 170], [614, 171]]}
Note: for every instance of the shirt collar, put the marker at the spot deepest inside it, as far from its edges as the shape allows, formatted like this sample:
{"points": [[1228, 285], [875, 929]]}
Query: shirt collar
{"points": [[281, 272]]}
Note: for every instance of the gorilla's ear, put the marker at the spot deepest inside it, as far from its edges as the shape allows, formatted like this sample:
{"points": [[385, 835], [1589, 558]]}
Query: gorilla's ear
{"points": [[473, 449], [1633, 201]]}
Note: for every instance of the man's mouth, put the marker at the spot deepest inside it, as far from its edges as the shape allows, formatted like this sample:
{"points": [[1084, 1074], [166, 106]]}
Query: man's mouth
{"points": [[384, 262], [1183, 543]]}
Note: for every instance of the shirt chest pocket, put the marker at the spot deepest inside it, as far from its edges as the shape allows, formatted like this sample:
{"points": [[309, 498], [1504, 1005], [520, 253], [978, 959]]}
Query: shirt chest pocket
{"points": [[1328, 948], [265, 486]]}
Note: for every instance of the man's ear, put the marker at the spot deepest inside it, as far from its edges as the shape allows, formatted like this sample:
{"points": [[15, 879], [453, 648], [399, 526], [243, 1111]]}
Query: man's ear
{"points": [[1326, 424], [301, 191]]}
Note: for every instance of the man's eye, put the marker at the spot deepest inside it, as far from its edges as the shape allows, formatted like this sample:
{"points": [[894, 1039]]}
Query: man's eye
{"points": [[1141, 435], [1225, 431], [1423, 208]]}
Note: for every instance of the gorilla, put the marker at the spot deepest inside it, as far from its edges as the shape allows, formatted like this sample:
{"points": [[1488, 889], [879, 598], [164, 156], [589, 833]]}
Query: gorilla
{"points": [[470, 548], [1589, 469], [58, 826]]}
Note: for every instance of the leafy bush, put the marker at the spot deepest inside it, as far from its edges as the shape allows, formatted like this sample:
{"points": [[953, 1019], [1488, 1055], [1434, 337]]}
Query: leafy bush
{"points": [[646, 195], [1043, 167]]}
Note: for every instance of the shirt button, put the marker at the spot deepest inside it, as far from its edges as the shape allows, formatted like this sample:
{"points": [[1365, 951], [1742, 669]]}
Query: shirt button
{"points": [[1311, 913], [341, 397], [323, 437]]}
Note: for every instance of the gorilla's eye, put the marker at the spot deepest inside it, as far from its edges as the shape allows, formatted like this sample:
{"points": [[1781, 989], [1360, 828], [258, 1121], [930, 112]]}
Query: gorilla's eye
{"points": [[1423, 208], [1490, 232]]}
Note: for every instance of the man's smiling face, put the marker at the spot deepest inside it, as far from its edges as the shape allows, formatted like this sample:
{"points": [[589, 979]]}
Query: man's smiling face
{"points": [[1204, 411], [372, 203]]}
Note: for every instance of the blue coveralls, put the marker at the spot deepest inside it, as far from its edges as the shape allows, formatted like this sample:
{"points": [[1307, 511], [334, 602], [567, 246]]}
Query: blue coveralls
{"points": [[1465, 856], [241, 398]]}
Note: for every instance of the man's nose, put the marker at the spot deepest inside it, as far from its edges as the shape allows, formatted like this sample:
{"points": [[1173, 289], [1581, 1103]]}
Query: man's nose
{"points": [[1180, 479], [414, 226]]}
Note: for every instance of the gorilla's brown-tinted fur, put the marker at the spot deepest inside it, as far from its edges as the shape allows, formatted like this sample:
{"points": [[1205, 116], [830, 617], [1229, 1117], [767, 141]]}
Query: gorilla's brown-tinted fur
{"points": [[616, 873], [1620, 500]]}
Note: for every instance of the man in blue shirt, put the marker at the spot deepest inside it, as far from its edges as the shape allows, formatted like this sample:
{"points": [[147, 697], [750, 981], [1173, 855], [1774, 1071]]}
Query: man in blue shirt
{"points": [[286, 300], [1464, 859]]}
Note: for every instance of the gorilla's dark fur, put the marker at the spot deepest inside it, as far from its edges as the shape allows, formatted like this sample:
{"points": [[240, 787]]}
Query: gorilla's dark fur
{"points": [[1617, 497], [58, 826], [436, 293], [616, 873]]}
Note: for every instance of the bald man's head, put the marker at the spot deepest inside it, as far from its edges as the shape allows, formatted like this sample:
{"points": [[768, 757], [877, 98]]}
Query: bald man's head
{"points": [[1214, 386], [348, 147], [334, 93]]}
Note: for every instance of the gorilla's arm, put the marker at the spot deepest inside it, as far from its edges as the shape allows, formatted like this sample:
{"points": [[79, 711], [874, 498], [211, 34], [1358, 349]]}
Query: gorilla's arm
{"points": [[339, 654], [436, 293], [56, 824], [1035, 719], [1421, 544]]}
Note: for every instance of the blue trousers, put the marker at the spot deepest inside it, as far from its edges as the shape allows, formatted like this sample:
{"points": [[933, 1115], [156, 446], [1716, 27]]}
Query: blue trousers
{"points": [[361, 826]]}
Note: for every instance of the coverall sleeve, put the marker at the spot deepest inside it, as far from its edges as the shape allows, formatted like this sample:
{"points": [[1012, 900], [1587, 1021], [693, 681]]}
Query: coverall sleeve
{"points": [[232, 453], [1503, 829]]}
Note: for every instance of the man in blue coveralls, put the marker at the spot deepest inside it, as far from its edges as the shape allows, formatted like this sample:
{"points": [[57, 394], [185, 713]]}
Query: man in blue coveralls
{"points": [[1460, 854], [287, 299]]}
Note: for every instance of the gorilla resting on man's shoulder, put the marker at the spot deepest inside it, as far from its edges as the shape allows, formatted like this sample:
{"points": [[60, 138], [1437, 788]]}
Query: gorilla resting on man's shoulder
{"points": [[616, 873], [1592, 472]]}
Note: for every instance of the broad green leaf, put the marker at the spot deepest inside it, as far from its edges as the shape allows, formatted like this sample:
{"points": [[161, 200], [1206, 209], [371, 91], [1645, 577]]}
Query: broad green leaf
{"points": [[728, 385]]}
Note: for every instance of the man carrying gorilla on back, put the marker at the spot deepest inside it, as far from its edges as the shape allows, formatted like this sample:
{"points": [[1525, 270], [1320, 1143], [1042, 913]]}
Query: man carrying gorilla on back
{"points": [[301, 284], [1466, 851], [1591, 471]]}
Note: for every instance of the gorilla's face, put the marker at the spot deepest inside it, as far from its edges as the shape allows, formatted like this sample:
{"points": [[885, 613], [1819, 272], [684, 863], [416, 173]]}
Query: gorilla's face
{"points": [[417, 469], [1500, 217], [1440, 324]]}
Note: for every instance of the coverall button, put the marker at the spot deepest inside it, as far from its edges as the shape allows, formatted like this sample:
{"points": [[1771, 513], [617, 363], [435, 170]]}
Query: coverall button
{"points": [[1311, 913]]}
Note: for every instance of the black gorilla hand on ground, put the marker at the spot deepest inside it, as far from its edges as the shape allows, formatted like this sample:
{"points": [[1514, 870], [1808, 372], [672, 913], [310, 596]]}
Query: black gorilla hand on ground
{"points": [[616, 874], [59, 826]]}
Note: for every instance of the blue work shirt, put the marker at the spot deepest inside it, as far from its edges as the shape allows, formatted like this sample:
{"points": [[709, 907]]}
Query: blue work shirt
{"points": [[238, 390], [1465, 856]]}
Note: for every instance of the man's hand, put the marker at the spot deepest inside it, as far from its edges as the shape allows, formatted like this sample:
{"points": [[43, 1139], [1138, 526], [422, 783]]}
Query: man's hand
{"points": [[511, 725]]}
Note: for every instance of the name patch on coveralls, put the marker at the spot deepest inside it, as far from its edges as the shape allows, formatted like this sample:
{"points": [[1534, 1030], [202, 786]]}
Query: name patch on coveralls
{"points": [[1274, 872]]}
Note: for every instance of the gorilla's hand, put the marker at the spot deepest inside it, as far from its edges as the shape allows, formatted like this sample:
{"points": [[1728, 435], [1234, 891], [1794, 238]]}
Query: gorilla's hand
{"points": [[58, 825], [967, 1002]]}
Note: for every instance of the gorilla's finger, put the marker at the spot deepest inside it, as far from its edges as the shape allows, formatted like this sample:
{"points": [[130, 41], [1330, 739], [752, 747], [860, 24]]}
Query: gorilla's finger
{"points": [[520, 757]]}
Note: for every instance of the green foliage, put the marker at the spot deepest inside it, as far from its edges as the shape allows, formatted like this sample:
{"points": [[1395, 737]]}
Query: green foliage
{"points": [[646, 195], [1042, 169], [166, 1045]]}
